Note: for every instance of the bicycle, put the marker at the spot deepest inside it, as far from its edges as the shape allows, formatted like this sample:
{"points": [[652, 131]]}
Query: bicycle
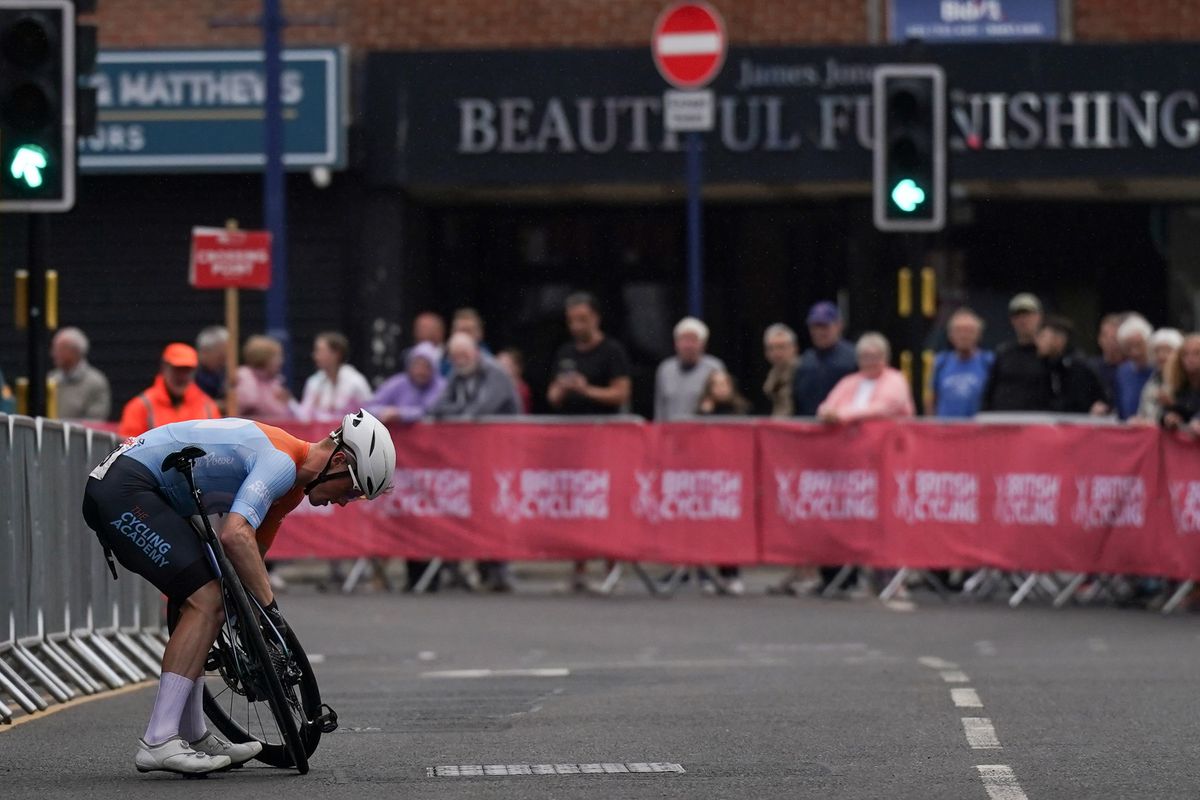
{"points": [[257, 664]]}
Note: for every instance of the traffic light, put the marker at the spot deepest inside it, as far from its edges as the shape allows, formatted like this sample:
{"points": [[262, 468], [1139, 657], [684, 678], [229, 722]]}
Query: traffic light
{"points": [[910, 147], [37, 105]]}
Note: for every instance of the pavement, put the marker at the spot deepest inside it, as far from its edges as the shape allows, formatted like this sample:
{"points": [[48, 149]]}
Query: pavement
{"points": [[630, 696]]}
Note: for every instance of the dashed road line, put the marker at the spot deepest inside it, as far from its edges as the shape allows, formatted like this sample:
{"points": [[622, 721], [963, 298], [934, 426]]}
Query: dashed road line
{"points": [[507, 770], [954, 676], [1000, 782], [546, 672], [966, 698], [933, 662], [980, 733]]}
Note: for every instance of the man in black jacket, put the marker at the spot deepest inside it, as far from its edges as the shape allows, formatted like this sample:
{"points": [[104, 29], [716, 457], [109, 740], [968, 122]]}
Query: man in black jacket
{"points": [[1075, 388], [1019, 380]]}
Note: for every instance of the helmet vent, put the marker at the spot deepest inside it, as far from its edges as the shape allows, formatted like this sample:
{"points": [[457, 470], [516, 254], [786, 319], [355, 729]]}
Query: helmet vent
{"points": [[371, 449]]}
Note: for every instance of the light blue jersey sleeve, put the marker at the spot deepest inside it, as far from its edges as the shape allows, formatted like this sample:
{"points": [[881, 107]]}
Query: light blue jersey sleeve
{"points": [[270, 479]]}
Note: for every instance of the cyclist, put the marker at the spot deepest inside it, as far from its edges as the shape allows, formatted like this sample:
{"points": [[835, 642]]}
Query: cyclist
{"points": [[256, 473]]}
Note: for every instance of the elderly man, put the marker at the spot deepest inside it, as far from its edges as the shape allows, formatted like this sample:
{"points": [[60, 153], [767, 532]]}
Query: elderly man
{"points": [[1131, 377], [212, 351], [830, 359], [83, 391], [782, 353], [680, 380], [173, 397], [960, 373], [1019, 380], [477, 386]]}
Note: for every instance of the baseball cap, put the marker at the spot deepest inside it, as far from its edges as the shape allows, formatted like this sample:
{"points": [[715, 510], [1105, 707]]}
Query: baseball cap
{"points": [[1024, 302], [823, 313], [178, 354]]}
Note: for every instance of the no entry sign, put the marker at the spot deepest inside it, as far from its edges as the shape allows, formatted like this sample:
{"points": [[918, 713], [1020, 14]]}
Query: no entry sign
{"points": [[689, 44], [223, 258]]}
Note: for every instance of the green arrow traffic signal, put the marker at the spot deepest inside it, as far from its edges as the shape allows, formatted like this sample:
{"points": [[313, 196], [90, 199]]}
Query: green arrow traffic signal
{"points": [[907, 195], [28, 162]]}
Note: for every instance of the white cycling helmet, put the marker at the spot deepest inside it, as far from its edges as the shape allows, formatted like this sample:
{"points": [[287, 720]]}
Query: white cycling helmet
{"points": [[370, 444]]}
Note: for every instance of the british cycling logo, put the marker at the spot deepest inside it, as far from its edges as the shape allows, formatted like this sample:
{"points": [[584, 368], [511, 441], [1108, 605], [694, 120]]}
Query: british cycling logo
{"points": [[827, 494], [143, 537], [934, 496], [1109, 501], [690, 494], [1027, 498], [1185, 506], [551, 494], [427, 493]]}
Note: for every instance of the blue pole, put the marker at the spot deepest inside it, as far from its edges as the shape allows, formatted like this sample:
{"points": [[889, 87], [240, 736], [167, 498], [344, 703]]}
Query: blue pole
{"points": [[274, 197], [695, 229]]}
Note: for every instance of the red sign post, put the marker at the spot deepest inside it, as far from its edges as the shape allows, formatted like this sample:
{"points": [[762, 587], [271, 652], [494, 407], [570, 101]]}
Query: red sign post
{"points": [[689, 44], [231, 259]]}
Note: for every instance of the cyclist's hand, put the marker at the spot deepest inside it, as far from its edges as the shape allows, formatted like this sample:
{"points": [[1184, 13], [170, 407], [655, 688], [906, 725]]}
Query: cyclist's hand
{"points": [[276, 619]]}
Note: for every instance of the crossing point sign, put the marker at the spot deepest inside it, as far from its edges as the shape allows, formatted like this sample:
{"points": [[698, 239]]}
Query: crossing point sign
{"points": [[689, 44]]}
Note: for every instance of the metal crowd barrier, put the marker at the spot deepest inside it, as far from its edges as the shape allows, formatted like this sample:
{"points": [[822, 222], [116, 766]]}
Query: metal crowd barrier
{"points": [[66, 628]]}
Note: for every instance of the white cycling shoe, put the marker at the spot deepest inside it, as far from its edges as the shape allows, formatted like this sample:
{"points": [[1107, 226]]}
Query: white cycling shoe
{"points": [[176, 755], [215, 746]]}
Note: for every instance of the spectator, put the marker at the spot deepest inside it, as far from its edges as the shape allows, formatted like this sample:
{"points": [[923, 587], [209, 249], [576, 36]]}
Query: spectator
{"points": [[876, 390], [721, 397], [478, 387], [8, 403], [1019, 380], [1163, 345], [513, 361], [782, 353], [591, 376], [1105, 364], [1133, 373], [680, 379], [1182, 408], [410, 395], [336, 387], [467, 320], [173, 397], [830, 359], [261, 393], [591, 372], [1074, 388], [83, 391], [960, 373], [430, 327], [212, 348]]}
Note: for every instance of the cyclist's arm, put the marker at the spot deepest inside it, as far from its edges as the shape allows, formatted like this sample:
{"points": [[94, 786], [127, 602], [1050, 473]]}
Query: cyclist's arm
{"points": [[240, 543]]}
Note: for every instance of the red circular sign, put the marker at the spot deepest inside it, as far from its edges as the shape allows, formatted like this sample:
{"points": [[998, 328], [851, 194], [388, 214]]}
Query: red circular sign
{"points": [[689, 44]]}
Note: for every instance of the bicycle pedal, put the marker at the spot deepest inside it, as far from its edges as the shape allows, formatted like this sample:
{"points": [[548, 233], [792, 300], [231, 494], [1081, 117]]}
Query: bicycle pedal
{"points": [[327, 721]]}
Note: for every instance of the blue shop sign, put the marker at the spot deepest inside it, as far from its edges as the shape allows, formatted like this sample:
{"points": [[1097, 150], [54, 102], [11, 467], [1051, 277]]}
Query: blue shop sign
{"points": [[973, 20], [202, 111]]}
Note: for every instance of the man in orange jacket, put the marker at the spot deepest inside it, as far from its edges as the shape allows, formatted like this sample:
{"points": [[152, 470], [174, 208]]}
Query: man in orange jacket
{"points": [[174, 396]]}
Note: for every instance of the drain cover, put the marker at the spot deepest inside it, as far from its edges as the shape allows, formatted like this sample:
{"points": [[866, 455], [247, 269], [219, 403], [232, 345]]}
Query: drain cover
{"points": [[489, 770]]}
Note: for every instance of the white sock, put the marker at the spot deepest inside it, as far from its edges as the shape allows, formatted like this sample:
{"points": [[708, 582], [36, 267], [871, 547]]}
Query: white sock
{"points": [[173, 693], [192, 726]]}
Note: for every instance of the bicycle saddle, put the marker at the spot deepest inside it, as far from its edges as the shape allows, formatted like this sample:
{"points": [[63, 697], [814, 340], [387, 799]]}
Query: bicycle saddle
{"points": [[182, 459]]}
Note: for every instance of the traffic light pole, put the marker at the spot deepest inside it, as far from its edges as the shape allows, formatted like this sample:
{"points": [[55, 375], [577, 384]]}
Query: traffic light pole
{"points": [[38, 239]]}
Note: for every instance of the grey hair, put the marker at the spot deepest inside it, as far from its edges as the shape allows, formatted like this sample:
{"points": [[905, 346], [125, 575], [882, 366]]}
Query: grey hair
{"points": [[875, 339], [1136, 325], [462, 338], [964, 311], [692, 325], [1169, 336], [779, 329], [75, 337], [212, 336]]}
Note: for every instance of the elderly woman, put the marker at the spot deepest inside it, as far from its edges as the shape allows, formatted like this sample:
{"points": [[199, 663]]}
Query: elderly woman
{"points": [[261, 393], [1163, 344], [1133, 373], [876, 390], [410, 395]]}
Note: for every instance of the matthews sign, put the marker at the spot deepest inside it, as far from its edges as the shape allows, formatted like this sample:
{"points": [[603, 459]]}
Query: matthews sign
{"points": [[783, 115]]}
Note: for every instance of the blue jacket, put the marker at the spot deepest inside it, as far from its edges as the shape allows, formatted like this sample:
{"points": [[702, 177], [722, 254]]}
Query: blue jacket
{"points": [[818, 372]]}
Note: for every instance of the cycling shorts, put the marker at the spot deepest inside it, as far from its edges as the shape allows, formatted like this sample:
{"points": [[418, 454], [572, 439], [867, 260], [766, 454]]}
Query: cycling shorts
{"points": [[133, 520]]}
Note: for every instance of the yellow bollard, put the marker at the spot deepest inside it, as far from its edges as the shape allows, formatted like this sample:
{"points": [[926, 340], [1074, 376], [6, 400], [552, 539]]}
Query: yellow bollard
{"points": [[904, 292], [21, 385], [51, 399], [928, 292], [51, 299]]}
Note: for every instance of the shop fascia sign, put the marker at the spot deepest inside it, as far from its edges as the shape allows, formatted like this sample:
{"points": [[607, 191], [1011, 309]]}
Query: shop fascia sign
{"points": [[760, 116]]}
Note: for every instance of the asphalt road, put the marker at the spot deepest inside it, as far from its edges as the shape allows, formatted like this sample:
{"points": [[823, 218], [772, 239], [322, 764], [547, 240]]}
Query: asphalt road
{"points": [[758, 697]]}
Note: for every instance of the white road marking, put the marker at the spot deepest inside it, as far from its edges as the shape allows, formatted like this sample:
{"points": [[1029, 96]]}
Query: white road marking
{"points": [[933, 662], [688, 44], [1000, 782], [955, 676], [316, 658], [497, 770], [426, 655], [980, 733], [546, 672], [966, 698], [900, 605], [985, 647]]}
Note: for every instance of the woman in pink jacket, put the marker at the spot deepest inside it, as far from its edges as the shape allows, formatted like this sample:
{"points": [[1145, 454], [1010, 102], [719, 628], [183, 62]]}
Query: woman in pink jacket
{"points": [[875, 391]]}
